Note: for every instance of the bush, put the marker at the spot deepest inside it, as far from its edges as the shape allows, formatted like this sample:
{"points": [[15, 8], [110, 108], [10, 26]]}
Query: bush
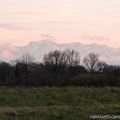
{"points": [[97, 80]]}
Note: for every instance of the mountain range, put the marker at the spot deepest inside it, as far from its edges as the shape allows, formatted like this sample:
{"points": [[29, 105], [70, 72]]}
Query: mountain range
{"points": [[37, 49]]}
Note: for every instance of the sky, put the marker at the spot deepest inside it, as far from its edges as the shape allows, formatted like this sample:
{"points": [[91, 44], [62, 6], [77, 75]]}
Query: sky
{"points": [[85, 21]]}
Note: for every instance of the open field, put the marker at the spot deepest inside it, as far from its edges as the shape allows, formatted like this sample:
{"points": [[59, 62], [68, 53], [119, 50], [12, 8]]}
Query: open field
{"points": [[71, 103]]}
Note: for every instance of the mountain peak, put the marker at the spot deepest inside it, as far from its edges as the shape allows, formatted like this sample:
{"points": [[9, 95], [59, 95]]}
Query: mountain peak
{"points": [[47, 41], [38, 48], [41, 42]]}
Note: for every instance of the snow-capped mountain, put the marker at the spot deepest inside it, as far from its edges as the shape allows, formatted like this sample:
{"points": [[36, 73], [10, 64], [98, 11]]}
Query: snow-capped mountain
{"points": [[39, 48]]}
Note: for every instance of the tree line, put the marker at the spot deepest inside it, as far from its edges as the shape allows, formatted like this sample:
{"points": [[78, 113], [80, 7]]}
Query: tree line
{"points": [[60, 68]]}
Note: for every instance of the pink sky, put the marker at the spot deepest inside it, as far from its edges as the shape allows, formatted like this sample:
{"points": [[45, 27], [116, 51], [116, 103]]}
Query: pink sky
{"points": [[85, 21]]}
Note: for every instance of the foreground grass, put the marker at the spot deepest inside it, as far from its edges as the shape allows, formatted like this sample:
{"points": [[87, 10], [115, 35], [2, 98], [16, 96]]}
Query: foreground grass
{"points": [[71, 103]]}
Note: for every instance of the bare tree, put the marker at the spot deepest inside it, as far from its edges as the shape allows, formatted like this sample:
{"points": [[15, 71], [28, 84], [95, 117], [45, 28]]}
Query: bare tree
{"points": [[59, 58], [55, 58], [93, 63], [73, 57], [26, 59], [57, 62], [22, 68], [101, 66]]}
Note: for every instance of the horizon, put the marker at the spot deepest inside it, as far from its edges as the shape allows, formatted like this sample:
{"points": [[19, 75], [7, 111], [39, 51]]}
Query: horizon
{"points": [[9, 52], [54, 41], [87, 21]]}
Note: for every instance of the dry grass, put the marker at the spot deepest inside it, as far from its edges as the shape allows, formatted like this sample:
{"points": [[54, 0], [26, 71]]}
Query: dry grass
{"points": [[57, 103]]}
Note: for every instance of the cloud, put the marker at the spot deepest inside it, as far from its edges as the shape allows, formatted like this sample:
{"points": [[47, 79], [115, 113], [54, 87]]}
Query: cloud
{"points": [[41, 11], [56, 22], [6, 51], [95, 38], [6, 54], [32, 13], [7, 46], [47, 37], [12, 27]]}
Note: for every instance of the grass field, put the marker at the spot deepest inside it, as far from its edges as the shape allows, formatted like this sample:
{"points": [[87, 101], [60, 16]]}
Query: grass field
{"points": [[71, 103]]}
